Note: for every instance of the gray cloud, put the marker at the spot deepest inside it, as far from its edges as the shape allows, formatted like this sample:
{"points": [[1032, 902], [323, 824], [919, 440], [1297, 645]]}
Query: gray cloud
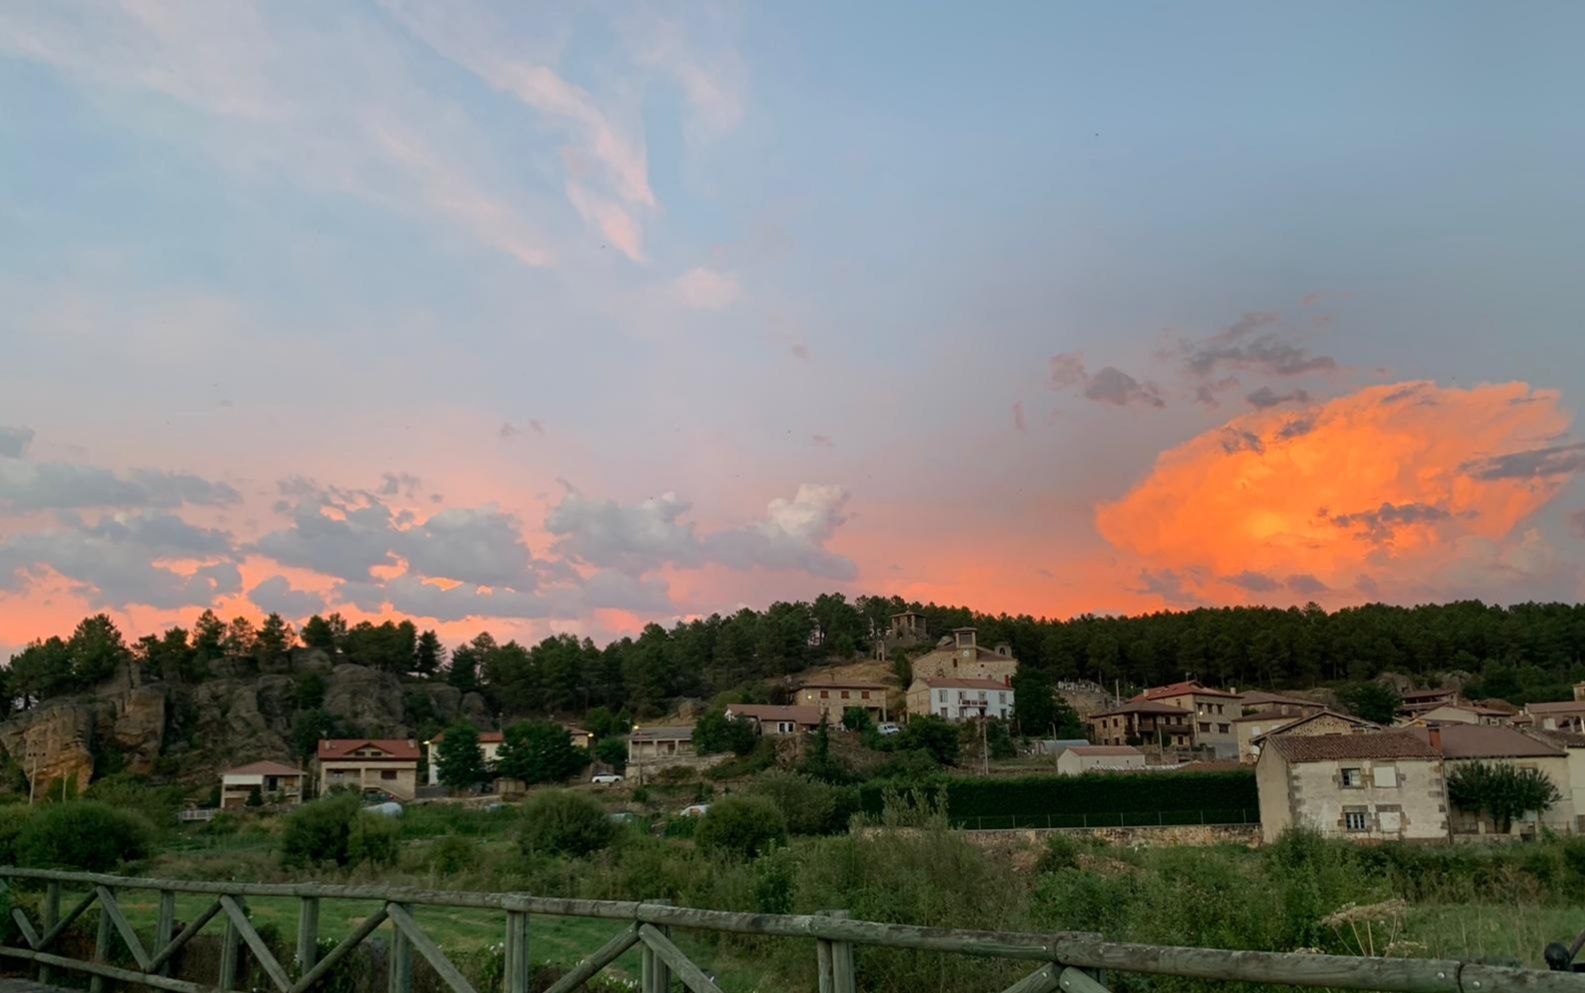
{"points": [[1381, 524], [399, 484], [1254, 582], [1110, 385], [276, 596], [480, 545], [1305, 584], [1168, 584], [1296, 428], [14, 441], [1238, 440], [347, 547], [33, 486], [111, 562], [1246, 345], [600, 591], [1537, 463], [1266, 397], [650, 534]]}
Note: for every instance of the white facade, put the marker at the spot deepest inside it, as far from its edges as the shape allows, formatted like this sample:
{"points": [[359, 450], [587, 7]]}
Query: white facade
{"points": [[960, 699]]}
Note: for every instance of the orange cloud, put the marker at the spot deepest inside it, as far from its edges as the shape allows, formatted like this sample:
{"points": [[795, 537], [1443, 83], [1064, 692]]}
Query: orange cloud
{"points": [[1387, 483]]}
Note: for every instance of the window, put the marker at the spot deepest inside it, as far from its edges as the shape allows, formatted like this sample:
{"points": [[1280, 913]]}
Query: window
{"points": [[844, 694], [825, 694], [1390, 821], [387, 773], [1356, 820], [864, 695], [943, 711], [1205, 727], [1223, 728], [1001, 698], [1353, 778], [1386, 776]]}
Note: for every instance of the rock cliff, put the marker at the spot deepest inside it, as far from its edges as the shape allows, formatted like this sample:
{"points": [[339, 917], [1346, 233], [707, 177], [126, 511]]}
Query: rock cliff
{"points": [[189, 732]]}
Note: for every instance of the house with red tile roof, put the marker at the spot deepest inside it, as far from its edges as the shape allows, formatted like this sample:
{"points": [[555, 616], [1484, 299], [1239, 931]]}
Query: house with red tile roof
{"points": [[276, 783], [1213, 710], [389, 765]]}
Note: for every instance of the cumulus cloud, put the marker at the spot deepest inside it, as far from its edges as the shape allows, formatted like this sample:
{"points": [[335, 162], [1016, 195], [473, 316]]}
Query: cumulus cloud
{"points": [[1254, 582], [702, 288], [1109, 385], [14, 441], [399, 484], [276, 596], [574, 598], [1370, 488], [652, 533], [347, 543], [1249, 344], [32, 486], [115, 562], [479, 545]]}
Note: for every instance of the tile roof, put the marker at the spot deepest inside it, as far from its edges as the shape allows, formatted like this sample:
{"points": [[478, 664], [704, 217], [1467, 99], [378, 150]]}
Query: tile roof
{"points": [[1183, 689], [1295, 722], [1478, 741], [396, 749], [776, 712], [485, 737], [1562, 739], [1105, 750], [1409, 695], [662, 734], [1144, 707], [1557, 707], [836, 685], [953, 683], [1333, 747], [1261, 696], [265, 768]]}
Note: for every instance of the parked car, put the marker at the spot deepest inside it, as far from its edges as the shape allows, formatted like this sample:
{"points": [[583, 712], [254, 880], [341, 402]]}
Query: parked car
{"points": [[388, 809], [605, 778], [623, 817], [695, 810], [888, 728]]}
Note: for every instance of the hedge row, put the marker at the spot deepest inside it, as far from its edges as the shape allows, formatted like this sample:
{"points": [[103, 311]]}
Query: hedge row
{"points": [[1100, 793]]}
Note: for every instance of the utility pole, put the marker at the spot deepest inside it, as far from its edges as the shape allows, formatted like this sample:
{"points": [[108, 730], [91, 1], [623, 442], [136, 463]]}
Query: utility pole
{"points": [[985, 751]]}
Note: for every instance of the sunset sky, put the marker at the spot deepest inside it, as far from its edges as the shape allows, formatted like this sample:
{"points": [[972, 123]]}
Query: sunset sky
{"points": [[568, 317]]}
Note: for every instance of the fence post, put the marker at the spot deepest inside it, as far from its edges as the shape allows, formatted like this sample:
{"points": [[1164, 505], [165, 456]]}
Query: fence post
{"points": [[52, 913], [307, 934], [842, 977], [165, 929], [101, 950], [655, 974], [400, 975], [230, 952], [518, 974]]}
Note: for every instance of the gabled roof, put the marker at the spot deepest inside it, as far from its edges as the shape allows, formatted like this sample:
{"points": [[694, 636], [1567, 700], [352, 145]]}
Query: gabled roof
{"points": [[1410, 696], [954, 683], [396, 749], [1105, 751], [1562, 739], [1299, 721], [1261, 696], [662, 734], [1193, 686], [485, 737], [1144, 707], [843, 685], [1335, 747], [776, 712], [1557, 707], [1479, 741], [265, 768]]}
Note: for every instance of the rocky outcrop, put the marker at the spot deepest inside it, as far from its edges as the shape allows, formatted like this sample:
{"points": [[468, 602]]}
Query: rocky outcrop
{"points": [[52, 744], [135, 727], [367, 699]]}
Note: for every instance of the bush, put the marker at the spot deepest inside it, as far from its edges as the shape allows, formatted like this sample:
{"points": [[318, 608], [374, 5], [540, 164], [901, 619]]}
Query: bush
{"points": [[715, 732], [743, 825], [932, 734], [1065, 798], [337, 830], [157, 804], [562, 822], [13, 818], [808, 805], [82, 834], [612, 752]]}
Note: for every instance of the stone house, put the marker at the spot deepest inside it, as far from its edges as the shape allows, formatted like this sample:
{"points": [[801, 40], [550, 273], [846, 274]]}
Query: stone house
{"points": [[388, 764], [1563, 715], [276, 782], [1156, 724], [1254, 728], [958, 699], [1213, 713], [776, 719], [833, 697], [1372, 786], [907, 627], [1079, 759], [961, 656], [1463, 713], [1260, 702], [651, 750], [1467, 744]]}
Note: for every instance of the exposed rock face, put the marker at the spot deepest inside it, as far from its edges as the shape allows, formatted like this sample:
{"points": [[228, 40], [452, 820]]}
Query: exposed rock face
{"points": [[52, 743], [137, 727], [367, 698]]}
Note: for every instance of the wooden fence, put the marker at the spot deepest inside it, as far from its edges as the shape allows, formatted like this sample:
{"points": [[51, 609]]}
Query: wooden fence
{"points": [[1072, 962]]}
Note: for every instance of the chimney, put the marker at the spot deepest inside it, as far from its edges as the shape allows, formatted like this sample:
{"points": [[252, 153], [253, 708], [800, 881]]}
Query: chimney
{"points": [[1433, 735]]}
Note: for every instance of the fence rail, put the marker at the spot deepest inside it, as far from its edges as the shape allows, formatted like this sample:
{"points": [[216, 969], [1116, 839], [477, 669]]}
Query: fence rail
{"points": [[1066, 961], [1109, 819]]}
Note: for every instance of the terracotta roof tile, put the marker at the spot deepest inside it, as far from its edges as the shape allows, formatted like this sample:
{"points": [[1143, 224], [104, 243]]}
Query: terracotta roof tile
{"points": [[1367, 745], [396, 749], [265, 769], [1478, 741]]}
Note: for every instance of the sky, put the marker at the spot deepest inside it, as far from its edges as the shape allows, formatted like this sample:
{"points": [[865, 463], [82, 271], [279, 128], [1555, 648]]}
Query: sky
{"points": [[570, 317]]}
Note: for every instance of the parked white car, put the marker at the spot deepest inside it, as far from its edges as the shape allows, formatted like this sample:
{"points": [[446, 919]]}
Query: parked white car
{"points": [[888, 728], [605, 778]]}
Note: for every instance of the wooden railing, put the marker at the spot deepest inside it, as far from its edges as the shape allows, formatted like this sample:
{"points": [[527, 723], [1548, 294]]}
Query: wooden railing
{"points": [[1073, 962]]}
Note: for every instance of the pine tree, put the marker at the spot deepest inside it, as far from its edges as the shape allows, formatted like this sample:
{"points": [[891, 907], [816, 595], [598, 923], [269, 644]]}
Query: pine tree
{"points": [[429, 655], [459, 759], [275, 639]]}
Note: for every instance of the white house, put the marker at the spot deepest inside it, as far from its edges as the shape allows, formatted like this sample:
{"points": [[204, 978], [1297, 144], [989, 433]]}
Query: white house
{"points": [[1080, 759], [960, 699]]}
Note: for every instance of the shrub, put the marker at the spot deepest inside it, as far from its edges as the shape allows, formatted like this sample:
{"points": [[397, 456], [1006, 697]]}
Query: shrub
{"points": [[932, 734], [157, 804], [453, 854], [612, 752], [13, 818], [743, 825], [564, 823], [337, 830], [808, 805], [715, 732], [82, 834], [539, 752]]}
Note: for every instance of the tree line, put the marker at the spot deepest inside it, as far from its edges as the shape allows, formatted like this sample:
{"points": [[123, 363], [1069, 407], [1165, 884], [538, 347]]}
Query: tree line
{"points": [[1524, 652]]}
